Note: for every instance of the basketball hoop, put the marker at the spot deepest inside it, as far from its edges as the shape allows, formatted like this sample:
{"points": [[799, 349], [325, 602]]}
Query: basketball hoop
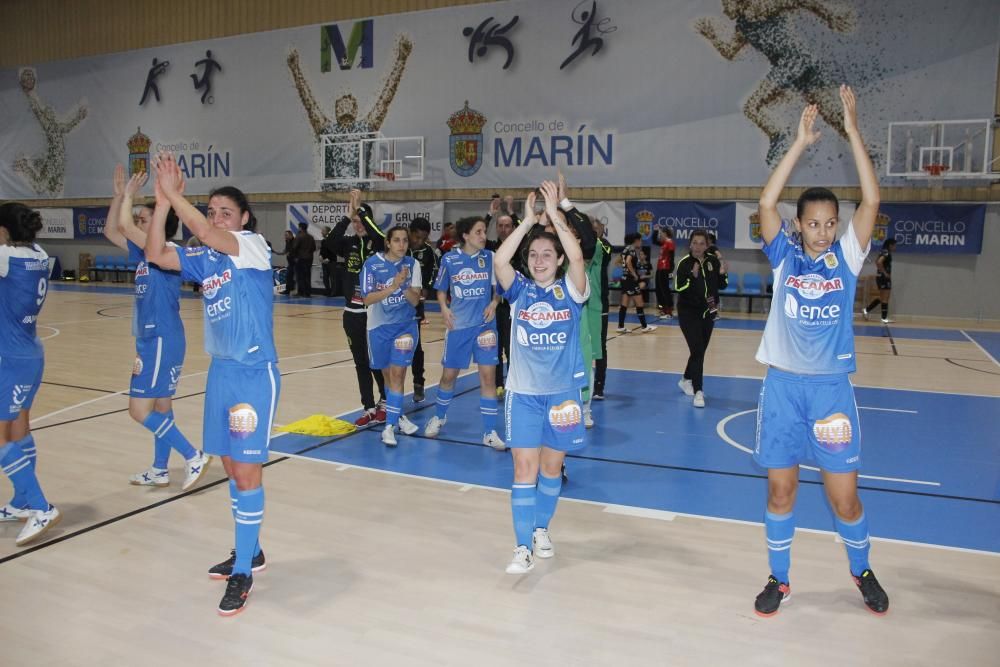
{"points": [[935, 169], [386, 175]]}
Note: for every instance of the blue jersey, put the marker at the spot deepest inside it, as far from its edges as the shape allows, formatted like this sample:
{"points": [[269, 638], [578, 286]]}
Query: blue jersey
{"points": [[238, 295], [470, 280], [377, 273], [810, 327], [157, 298], [24, 280], [545, 352]]}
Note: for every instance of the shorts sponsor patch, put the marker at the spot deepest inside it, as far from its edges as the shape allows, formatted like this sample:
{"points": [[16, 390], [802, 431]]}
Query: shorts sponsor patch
{"points": [[834, 432], [137, 366], [242, 420], [404, 343], [487, 340], [566, 416]]}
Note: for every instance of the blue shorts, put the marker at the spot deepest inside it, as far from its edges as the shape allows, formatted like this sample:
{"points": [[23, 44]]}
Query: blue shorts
{"points": [[392, 344], [808, 417], [19, 382], [157, 368], [476, 343], [552, 420], [240, 401]]}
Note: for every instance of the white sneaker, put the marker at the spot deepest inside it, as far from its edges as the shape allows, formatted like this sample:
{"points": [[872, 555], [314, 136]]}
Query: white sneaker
{"points": [[621, 330], [686, 386], [39, 522], [194, 469], [864, 313], [151, 477], [389, 436], [541, 544], [699, 399], [588, 418], [522, 563], [648, 328], [886, 320], [13, 513], [434, 425], [493, 440], [406, 426]]}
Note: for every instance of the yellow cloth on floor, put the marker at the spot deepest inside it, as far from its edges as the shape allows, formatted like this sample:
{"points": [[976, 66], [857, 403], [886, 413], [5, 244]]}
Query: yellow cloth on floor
{"points": [[319, 425]]}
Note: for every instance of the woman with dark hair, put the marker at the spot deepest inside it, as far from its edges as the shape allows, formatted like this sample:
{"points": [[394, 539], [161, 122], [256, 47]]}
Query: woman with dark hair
{"points": [[241, 396], [24, 282], [699, 275], [883, 279], [633, 282], [390, 286], [543, 400], [159, 337]]}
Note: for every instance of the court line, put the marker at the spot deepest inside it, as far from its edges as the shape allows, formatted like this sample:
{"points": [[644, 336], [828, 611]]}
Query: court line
{"points": [[981, 348], [76, 386], [46, 326], [720, 429], [891, 340], [970, 368]]}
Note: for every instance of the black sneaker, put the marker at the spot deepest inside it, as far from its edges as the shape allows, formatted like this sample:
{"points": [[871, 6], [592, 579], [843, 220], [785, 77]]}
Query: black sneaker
{"points": [[874, 595], [598, 396], [418, 393], [771, 597], [225, 568], [237, 592]]}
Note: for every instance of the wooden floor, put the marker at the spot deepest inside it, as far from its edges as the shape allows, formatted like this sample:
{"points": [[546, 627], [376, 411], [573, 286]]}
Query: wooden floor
{"points": [[368, 568]]}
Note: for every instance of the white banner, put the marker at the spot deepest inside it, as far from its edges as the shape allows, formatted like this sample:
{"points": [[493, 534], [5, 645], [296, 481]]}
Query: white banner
{"points": [[317, 216], [390, 214], [611, 213], [748, 223], [57, 223]]}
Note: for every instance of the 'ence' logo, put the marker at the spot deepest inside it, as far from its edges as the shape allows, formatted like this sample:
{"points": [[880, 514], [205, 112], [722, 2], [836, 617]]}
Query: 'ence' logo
{"points": [[215, 282], [834, 432], [566, 416], [362, 35], [541, 315], [814, 286], [242, 421]]}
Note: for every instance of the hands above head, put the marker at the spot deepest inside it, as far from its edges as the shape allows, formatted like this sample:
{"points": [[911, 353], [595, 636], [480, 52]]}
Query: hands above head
{"points": [[529, 210], [508, 203], [355, 201], [168, 175], [135, 183], [563, 190], [849, 101], [119, 180], [806, 135]]}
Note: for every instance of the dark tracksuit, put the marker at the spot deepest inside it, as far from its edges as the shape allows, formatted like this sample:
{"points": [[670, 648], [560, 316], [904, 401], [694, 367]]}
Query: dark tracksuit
{"points": [[694, 314]]}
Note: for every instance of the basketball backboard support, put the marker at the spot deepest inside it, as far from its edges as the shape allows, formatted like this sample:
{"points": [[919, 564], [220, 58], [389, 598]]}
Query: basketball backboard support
{"points": [[346, 159], [954, 149]]}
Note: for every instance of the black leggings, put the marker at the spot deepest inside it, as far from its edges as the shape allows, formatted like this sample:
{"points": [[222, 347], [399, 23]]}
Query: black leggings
{"points": [[664, 297], [356, 328], [601, 370], [697, 332], [503, 331]]}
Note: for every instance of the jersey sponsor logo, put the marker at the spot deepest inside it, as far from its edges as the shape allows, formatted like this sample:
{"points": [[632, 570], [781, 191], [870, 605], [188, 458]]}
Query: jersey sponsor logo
{"points": [[29, 319], [242, 421], [487, 340], [467, 276], [811, 315], [211, 285], [834, 432], [541, 339], [137, 366], [142, 270], [831, 261], [214, 310], [20, 395], [541, 315], [566, 416], [141, 288], [813, 285], [404, 343]]}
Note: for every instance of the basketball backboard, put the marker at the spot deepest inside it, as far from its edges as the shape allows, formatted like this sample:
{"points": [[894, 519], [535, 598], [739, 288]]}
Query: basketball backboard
{"points": [[940, 149], [348, 159]]}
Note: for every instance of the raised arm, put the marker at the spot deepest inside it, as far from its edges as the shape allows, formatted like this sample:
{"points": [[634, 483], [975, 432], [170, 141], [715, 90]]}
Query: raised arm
{"points": [[867, 211], [111, 231], [171, 183], [378, 113], [505, 253], [157, 250], [577, 272], [317, 118], [584, 230], [126, 225], [367, 216], [727, 50], [770, 219]]}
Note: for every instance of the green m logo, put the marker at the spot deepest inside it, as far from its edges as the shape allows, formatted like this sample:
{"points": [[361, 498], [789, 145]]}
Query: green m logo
{"points": [[362, 35]]}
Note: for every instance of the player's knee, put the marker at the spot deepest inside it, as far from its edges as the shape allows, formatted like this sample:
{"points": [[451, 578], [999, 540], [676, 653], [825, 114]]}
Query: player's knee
{"points": [[525, 470], [781, 498], [139, 412], [848, 509]]}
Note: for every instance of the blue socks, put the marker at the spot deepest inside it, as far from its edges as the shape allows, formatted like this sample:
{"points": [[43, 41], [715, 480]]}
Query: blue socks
{"points": [[249, 515], [19, 469], [780, 529], [855, 537], [522, 505], [232, 497], [442, 401], [546, 497], [27, 445], [167, 436], [488, 411], [393, 407]]}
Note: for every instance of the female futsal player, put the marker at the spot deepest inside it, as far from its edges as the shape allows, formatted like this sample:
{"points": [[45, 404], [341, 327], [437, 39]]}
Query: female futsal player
{"points": [[24, 281], [466, 274], [807, 408], [543, 400], [159, 338], [390, 285], [233, 267]]}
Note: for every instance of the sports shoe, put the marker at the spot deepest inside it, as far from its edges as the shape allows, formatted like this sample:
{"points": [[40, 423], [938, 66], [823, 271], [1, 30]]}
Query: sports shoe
{"points": [[565, 475], [621, 330], [598, 396], [151, 477], [379, 417], [864, 313], [195, 469], [886, 320], [13, 513], [521, 563], [37, 524], [500, 391], [406, 426], [771, 597], [699, 399], [872, 592], [541, 544], [588, 418], [367, 418], [237, 592], [647, 329], [418, 393], [389, 436], [493, 440], [434, 425], [225, 568], [686, 386]]}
